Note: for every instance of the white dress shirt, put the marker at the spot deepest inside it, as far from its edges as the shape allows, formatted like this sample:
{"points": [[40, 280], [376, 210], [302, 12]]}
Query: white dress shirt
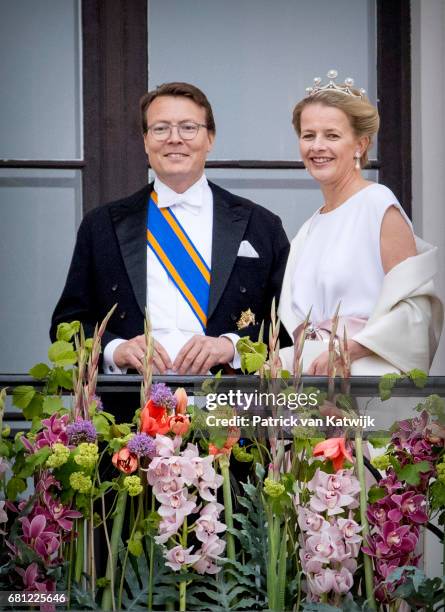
{"points": [[172, 319]]}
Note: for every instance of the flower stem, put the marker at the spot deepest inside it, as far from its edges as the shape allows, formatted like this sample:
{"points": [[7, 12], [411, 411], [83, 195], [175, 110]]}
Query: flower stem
{"points": [[107, 538], [272, 558], [124, 564], [228, 508], [367, 562], [183, 583], [79, 550], [443, 564], [70, 568], [151, 566], [108, 602], [91, 552]]}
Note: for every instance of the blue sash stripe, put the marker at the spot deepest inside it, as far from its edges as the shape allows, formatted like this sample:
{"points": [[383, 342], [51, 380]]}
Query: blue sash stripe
{"points": [[180, 258], [189, 239]]}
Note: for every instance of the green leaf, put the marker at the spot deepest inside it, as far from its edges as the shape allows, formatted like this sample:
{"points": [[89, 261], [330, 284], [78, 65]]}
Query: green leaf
{"points": [[288, 480], [435, 406], [253, 354], [62, 378], [22, 396], [65, 331], [62, 353], [103, 488], [411, 473], [319, 607], [260, 471], [111, 418], [379, 442], [386, 384], [14, 487], [344, 402], [52, 404], [4, 449], [418, 377], [437, 495], [102, 426], [375, 493], [150, 524], [33, 461], [39, 371], [349, 605], [34, 408], [252, 362], [121, 430]]}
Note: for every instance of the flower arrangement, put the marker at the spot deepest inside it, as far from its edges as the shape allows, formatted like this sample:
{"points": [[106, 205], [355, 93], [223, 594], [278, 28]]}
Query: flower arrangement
{"points": [[163, 497]]}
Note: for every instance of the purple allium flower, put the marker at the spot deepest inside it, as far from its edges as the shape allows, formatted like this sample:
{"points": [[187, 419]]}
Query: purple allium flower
{"points": [[81, 431], [142, 445], [162, 396]]}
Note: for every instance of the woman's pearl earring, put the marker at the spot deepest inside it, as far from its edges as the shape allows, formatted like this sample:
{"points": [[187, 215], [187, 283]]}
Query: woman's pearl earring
{"points": [[357, 161]]}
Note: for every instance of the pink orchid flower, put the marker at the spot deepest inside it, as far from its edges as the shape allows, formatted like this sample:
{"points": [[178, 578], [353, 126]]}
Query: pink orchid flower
{"points": [[210, 552], [206, 526], [322, 582], [178, 557], [61, 514], [168, 527], [409, 505], [343, 581], [310, 522]]}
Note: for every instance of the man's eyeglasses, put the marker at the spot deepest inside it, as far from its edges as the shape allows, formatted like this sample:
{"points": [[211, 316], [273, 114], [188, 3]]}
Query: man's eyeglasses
{"points": [[187, 130]]}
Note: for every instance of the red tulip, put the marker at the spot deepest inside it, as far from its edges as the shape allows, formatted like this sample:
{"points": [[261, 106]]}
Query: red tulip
{"points": [[335, 450], [179, 424], [125, 461]]}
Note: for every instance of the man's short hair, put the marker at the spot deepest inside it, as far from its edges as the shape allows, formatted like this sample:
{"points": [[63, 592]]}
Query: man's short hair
{"points": [[178, 89]]}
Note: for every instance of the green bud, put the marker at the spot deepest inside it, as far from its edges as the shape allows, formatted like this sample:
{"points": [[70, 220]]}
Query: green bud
{"points": [[59, 456], [133, 485], [273, 488], [381, 462], [81, 482]]}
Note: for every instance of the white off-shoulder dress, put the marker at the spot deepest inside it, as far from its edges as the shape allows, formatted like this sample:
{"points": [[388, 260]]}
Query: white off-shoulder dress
{"points": [[335, 259]]}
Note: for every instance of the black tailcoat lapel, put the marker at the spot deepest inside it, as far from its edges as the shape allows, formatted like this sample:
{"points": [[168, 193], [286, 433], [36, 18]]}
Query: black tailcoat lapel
{"points": [[230, 219], [130, 224]]}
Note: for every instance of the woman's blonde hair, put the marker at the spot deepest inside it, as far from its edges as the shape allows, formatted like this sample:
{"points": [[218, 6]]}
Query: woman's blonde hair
{"points": [[363, 116]]}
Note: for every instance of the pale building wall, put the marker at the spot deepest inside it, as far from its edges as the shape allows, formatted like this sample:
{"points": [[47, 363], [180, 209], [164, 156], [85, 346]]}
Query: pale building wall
{"points": [[428, 149], [428, 134]]}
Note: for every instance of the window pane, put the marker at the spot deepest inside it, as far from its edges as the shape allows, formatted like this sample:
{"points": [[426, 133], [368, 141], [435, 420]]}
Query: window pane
{"points": [[255, 58], [40, 105], [40, 212], [291, 194]]}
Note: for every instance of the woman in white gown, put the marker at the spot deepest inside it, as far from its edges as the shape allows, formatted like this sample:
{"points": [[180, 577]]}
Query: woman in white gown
{"points": [[358, 249]]}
